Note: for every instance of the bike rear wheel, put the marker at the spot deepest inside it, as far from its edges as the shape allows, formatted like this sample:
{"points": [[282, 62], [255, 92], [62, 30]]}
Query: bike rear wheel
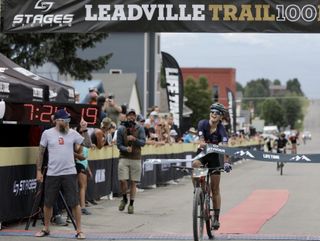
{"points": [[198, 214]]}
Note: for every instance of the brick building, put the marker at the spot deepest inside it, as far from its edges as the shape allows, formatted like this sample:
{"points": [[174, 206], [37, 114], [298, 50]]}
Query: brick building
{"points": [[222, 82]]}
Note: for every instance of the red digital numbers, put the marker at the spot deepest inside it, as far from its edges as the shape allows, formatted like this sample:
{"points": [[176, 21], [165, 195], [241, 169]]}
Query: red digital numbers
{"points": [[40, 113], [90, 115], [31, 109], [46, 114]]}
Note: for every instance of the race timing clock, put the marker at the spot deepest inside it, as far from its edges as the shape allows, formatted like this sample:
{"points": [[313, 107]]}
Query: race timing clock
{"points": [[36, 113]]}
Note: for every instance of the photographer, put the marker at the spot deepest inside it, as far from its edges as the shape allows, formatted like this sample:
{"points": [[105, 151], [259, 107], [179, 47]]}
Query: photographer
{"points": [[112, 109], [130, 138]]}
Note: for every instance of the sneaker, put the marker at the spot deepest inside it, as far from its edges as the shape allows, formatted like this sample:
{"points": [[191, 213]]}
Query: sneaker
{"points": [[85, 211], [57, 220], [216, 225], [130, 209], [122, 205]]}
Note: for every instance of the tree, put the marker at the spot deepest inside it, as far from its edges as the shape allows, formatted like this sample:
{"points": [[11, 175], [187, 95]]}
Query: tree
{"points": [[199, 98], [256, 89], [277, 82], [292, 109], [30, 49], [294, 86], [273, 113], [239, 87]]}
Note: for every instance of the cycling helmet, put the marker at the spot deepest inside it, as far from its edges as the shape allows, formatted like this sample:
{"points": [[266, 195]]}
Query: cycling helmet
{"points": [[219, 107]]}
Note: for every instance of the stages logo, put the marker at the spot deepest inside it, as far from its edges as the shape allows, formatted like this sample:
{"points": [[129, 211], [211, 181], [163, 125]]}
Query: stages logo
{"points": [[24, 186], [43, 18]]}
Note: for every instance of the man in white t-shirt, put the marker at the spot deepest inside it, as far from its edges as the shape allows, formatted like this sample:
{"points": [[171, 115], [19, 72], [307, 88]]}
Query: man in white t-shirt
{"points": [[61, 142]]}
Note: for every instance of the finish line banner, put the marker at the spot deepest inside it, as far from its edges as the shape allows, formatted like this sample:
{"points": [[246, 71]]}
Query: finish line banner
{"points": [[244, 154], [222, 16]]}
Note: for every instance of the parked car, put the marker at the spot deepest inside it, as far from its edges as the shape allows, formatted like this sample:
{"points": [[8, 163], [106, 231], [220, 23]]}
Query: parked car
{"points": [[306, 135]]}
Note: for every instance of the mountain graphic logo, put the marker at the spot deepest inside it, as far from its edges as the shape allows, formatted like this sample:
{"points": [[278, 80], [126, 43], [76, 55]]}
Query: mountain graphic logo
{"points": [[244, 153], [300, 158]]}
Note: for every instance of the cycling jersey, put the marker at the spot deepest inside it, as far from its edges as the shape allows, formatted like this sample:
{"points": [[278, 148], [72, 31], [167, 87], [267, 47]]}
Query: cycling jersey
{"points": [[212, 160], [281, 143], [220, 135], [293, 139]]}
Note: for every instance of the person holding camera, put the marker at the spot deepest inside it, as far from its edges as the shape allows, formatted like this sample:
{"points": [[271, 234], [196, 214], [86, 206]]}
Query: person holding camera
{"points": [[61, 142], [130, 138], [112, 109]]}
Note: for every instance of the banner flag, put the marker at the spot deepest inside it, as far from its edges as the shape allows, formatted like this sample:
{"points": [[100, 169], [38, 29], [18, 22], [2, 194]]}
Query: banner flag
{"points": [[268, 16], [174, 83]]}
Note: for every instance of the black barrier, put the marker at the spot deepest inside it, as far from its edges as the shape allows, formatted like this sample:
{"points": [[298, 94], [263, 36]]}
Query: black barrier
{"points": [[148, 174], [17, 190], [101, 182]]}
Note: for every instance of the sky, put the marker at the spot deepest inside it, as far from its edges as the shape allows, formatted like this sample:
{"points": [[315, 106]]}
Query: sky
{"points": [[272, 56]]}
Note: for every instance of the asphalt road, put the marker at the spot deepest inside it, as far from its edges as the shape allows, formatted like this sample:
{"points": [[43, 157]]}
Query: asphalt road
{"points": [[164, 213]]}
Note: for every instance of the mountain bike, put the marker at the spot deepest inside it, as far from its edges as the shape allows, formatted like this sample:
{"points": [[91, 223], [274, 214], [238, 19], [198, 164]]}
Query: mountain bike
{"points": [[280, 165], [202, 213]]}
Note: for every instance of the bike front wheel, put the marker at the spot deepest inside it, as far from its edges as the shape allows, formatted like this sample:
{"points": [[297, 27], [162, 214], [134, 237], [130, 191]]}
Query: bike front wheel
{"points": [[198, 214], [207, 215]]}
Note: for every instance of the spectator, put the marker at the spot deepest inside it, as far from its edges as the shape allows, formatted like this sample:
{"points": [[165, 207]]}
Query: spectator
{"points": [[100, 102], [112, 109], [83, 170], [99, 135], [191, 137], [61, 142], [173, 126], [153, 119], [163, 131], [130, 139], [93, 96], [173, 136]]}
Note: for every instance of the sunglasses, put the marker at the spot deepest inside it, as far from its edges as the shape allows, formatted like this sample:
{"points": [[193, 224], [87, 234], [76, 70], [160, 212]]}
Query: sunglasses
{"points": [[64, 120], [216, 112]]}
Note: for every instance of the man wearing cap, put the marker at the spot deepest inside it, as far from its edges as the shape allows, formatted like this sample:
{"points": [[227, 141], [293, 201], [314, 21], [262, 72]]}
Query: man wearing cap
{"points": [[61, 142], [130, 138]]}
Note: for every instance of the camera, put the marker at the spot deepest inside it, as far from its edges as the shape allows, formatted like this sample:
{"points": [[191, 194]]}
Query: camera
{"points": [[128, 124]]}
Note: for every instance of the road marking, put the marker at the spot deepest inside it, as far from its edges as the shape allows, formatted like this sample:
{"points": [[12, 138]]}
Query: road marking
{"points": [[150, 236], [250, 215]]}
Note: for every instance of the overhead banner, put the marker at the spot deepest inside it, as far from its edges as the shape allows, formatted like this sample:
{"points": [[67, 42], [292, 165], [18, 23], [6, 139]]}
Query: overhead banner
{"points": [[267, 16], [174, 83]]}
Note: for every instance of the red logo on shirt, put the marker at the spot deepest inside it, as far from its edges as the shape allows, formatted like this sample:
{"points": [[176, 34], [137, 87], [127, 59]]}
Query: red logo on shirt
{"points": [[61, 141]]}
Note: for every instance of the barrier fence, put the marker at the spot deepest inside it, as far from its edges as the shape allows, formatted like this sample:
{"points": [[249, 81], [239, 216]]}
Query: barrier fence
{"points": [[18, 184]]}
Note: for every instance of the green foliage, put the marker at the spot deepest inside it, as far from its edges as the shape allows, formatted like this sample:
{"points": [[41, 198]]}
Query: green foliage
{"points": [[272, 113], [199, 98], [287, 111], [239, 87], [30, 49], [253, 91], [277, 82], [293, 109], [294, 86]]}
